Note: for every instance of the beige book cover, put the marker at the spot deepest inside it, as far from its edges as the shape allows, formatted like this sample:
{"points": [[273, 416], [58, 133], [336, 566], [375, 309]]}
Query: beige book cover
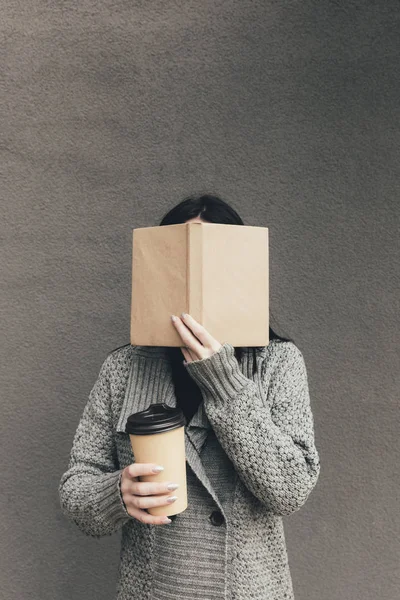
{"points": [[217, 273]]}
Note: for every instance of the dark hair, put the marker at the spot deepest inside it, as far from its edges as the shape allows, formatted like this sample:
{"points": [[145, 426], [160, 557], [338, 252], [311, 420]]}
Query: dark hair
{"points": [[212, 209]]}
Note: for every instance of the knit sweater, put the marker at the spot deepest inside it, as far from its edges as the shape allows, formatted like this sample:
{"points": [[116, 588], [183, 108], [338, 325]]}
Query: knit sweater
{"points": [[262, 428], [197, 542]]}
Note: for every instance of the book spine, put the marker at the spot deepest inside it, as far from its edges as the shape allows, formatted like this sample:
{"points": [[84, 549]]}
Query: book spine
{"points": [[195, 271]]}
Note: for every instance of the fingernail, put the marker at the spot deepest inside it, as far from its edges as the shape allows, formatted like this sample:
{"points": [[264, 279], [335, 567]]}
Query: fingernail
{"points": [[183, 315], [173, 317], [158, 469], [172, 498], [172, 486], [166, 520]]}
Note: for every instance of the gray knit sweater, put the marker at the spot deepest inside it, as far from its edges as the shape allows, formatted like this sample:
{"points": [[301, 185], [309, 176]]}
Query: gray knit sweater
{"points": [[251, 460]]}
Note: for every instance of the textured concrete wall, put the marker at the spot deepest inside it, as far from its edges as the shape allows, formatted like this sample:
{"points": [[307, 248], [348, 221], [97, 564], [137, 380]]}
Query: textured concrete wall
{"points": [[111, 113]]}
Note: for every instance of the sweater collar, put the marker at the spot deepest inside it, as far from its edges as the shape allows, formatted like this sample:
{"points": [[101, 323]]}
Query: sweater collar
{"points": [[150, 381]]}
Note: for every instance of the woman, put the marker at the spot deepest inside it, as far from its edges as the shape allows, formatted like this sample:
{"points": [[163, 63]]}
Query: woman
{"points": [[250, 451]]}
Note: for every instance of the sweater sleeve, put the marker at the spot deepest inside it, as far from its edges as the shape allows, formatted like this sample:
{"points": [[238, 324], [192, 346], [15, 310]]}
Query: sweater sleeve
{"points": [[270, 443], [89, 490]]}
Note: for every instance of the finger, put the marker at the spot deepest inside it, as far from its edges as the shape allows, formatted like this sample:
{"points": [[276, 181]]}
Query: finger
{"points": [[199, 331], [137, 469], [148, 488], [188, 338], [187, 355], [145, 517], [192, 356], [184, 351], [145, 502]]}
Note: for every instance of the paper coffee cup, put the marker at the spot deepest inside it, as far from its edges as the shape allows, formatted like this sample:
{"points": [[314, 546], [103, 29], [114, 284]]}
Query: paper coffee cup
{"points": [[157, 436]]}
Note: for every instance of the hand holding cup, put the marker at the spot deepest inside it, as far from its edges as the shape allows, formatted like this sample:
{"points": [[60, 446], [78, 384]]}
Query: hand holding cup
{"points": [[140, 495], [157, 436]]}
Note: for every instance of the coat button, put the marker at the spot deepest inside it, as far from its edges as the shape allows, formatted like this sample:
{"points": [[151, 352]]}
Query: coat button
{"points": [[217, 518]]}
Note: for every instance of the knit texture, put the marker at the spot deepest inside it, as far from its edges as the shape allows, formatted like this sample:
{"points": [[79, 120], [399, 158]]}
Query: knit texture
{"points": [[198, 541], [192, 546], [263, 423]]}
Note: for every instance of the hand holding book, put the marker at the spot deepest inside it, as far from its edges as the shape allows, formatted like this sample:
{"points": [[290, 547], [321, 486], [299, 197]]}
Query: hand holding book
{"points": [[199, 343]]}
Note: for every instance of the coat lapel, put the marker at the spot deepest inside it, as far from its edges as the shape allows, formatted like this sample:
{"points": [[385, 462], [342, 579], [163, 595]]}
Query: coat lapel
{"points": [[150, 381]]}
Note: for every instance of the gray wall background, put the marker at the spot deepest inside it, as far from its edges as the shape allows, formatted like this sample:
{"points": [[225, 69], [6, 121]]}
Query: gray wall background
{"points": [[112, 112]]}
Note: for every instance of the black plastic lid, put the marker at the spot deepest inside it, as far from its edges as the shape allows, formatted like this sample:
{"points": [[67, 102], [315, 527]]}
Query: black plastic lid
{"points": [[157, 418]]}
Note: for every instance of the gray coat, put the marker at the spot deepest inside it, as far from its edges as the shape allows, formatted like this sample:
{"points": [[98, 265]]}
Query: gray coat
{"points": [[251, 460]]}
